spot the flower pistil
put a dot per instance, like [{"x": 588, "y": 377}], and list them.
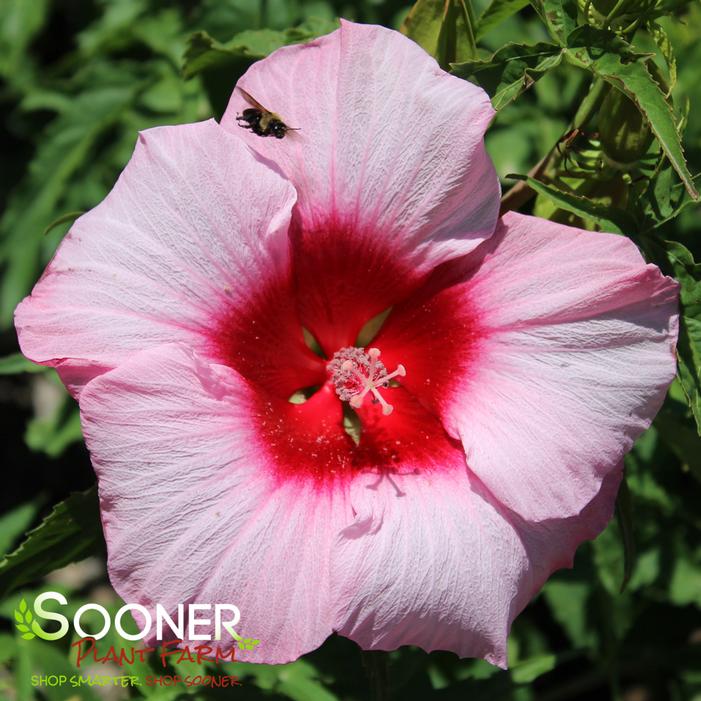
[{"x": 356, "y": 372}]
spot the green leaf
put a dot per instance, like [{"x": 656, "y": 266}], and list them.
[
  {"x": 511, "y": 70},
  {"x": 19, "y": 22},
  {"x": 685, "y": 584},
  {"x": 113, "y": 26},
  {"x": 495, "y": 13},
  {"x": 15, "y": 522},
  {"x": 586, "y": 44},
  {"x": 304, "y": 686},
  {"x": 568, "y": 598},
  {"x": 688, "y": 273},
  {"x": 665, "y": 201},
  {"x": 23, "y": 672},
  {"x": 54, "y": 433},
  {"x": 17, "y": 363},
  {"x": 221, "y": 64},
  {"x": 456, "y": 41},
  {"x": 609, "y": 558},
  {"x": 529, "y": 670},
  {"x": 560, "y": 17},
  {"x": 610, "y": 58},
  {"x": 681, "y": 440},
  {"x": 23, "y": 606},
  {"x": 298, "y": 680},
  {"x": 624, "y": 515},
  {"x": 667, "y": 50},
  {"x": 71, "y": 532},
  {"x": 68, "y": 217},
  {"x": 647, "y": 569},
  {"x": 204, "y": 53},
  {"x": 443, "y": 28},
  {"x": 65, "y": 146},
  {"x": 8, "y": 647},
  {"x": 608, "y": 218},
  {"x": 423, "y": 24},
  {"x": 50, "y": 659}
]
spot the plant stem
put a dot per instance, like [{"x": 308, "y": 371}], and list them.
[
  {"x": 590, "y": 104},
  {"x": 614, "y": 11},
  {"x": 376, "y": 664},
  {"x": 520, "y": 193}
]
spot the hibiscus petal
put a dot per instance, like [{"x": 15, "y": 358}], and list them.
[
  {"x": 548, "y": 361},
  {"x": 389, "y": 145},
  {"x": 431, "y": 562},
  {"x": 192, "y": 511},
  {"x": 181, "y": 243},
  {"x": 551, "y": 544},
  {"x": 427, "y": 563}
]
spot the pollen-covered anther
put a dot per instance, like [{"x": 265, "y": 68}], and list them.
[{"x": 356, "y": 372}]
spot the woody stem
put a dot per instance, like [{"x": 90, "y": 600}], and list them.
[{"x": 376, "y": 664}]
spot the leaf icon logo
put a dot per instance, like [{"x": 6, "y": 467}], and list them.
[
  {"x": 23, "y": 619},
  {"x": 248, "y": 643}
]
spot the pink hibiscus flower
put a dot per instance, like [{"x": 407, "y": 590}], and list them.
[{"x": 492, "y": 410}]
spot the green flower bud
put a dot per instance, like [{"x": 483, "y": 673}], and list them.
[{"x": 623, "y": 131}]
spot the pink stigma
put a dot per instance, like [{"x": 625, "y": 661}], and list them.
[{"x": 356, "y": 372}]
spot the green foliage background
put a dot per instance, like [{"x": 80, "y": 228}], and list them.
[{"x": 78, "y": 78}]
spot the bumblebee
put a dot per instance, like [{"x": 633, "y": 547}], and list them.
[{"x": 260, "y": 120}]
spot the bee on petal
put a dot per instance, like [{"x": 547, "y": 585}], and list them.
[{"x": 260, "y": 120}]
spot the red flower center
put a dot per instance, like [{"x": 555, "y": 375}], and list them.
[{"x": 327, "y": 414}]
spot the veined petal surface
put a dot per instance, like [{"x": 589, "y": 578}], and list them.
[
  {"x": 388, "y": 145},
  {"x": 181, "y": 241},
  {"x": 547, "y": 353},
  {"x": 191, "y": 510}
]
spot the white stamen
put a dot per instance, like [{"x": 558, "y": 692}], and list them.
[{"x": 355, "y": 373}]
